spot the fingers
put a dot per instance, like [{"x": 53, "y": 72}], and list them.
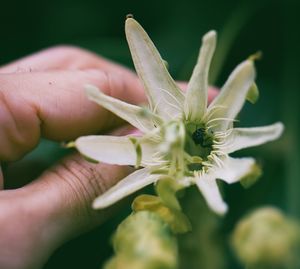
[
  {"x": 54, "y": 104},
  {"x": 61, "y": 58},
  {"x": 65, "y": 193},
  {"x": 43, "y": 94},
  {"x": 41, "y": 216}
]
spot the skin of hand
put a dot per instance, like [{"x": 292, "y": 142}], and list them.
[{"x": 42, "y": 95}]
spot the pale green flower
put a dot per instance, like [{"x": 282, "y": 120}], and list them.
[{"x": 183, "y": 138}]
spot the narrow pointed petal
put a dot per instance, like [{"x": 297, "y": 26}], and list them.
[
  {"x": 113, "y": 149},
  {"x": 241, "y": 138},
  {"x": 163, "y": 94},
  {"x": 125, "y": 187},
  {"x": 135, "y": 115},
  {"x": 208, "y": 187},
  {"x": 229, "y": 102},
  {"x": 231, "y": 171},
  {"x": 195, "y": 103},
  {"x": 234, "y": 169}
]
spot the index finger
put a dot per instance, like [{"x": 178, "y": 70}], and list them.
[{"x": 37, "y": 101}]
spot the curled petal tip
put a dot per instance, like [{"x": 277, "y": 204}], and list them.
[
  {"x": 91, "y": 90},
  {"x": 96, "y": 204},
  {"x": 279, "y": 128},
  {"x": 130, "y": 22},
  {"x": 249, "y": 63},
  {"x": 248, "y": 67},
  {"x": 129, "y": 16},
  {"x": 222, "y": 212},
  {"x": 256, "y": 56},
  {"x": 210, "y": 35}
]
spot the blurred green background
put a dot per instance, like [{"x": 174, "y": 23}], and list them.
[{"x": 176, "y": 28}]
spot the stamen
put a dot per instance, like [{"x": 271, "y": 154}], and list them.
[
  {"x": 170, "y": 104},
  {"x": 221, "y": 119},
  {"x": 170, "y": 94},
  {"x": 212, "y": 126},
  {"x": 154, "y": 109},
  {"x": 213, "y": 110},
  {"x": 141, "y": 125},
  {"x": 219, "y": 152}
]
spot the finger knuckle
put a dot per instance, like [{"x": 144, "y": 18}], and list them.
[{"x": 19, "y": 128}]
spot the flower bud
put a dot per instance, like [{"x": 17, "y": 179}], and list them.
[
  {"x": 144, "y": 240},
  {"x": 267, "y": 239}
]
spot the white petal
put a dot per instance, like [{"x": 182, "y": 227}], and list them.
[
  {"x": 196, "y": 97},
  {"x": 234, "y": 169},
  {"x": 208, "y": 187},
  {"x": 229, "y": 102},
  {"x": 125, "y": 187},
  {"x": 241, "y": 138},
  {"x": 164, "y": 95},
  {"x": 231, "y": 171},
  {"x": 113, "y": 149},
  {"x": 135, "y": 115}
]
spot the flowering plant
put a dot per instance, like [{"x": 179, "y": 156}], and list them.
[{"x": 184, "y": 140}]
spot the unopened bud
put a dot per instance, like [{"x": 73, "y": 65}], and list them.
[
  {"x": 267, "y": 239},
  {"x": 144, "y": 240}
]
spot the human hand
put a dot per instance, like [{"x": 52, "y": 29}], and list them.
[{"x": 42, "y": 96}]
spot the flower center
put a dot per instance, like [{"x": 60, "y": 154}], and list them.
[
  {"x": 188, "y": 147},
  {"x": 199, "y": 143}
]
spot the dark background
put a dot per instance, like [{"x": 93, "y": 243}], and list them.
[{"x": 176, "y": 28}]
